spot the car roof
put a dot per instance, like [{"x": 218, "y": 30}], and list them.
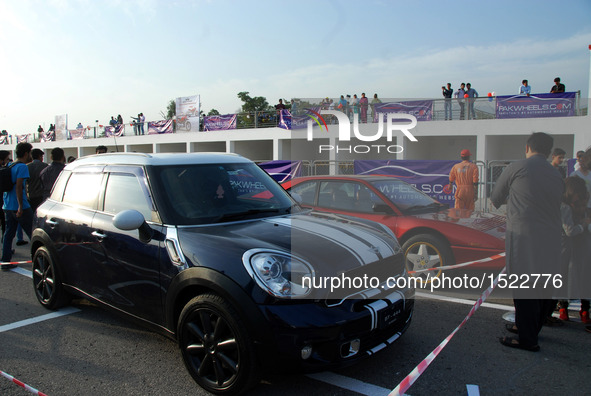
[{"x": 160, "y": 159}]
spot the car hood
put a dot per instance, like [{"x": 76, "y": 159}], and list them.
[
  {"x": 332, "y": 245},
  {"x": 488, "y": 223}
]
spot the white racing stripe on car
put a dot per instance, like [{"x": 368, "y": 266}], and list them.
[
  {"x": 358, "y": 244},
  {"x": 373, "y": 308}
]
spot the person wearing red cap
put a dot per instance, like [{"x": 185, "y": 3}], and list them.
[{"x": 465, "y": 175}]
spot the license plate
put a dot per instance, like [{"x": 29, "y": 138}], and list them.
[{"x": 390, "y": 314}]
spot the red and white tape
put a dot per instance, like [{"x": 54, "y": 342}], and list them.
[
  {"x": 447, "y": 267},
  {"x": 422, "y": 366},
  {"x": 22, "y": 384},
  {"x": 14, "y": 262}
]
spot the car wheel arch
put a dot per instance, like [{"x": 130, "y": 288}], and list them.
[
  {"x": 425, "y": 231},
  {"x": 200, "y": 280}
]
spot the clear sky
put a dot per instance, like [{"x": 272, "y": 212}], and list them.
[{"x": 93, "y": 59}]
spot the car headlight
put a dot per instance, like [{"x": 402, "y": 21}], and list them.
[{"x": 279, "y": 273}]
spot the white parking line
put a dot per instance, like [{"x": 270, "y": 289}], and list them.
[
  {"x": 26, "y": 322},
  {"x": 466, "y": 302},
  {"x": 24, "y": 272},
  {"x": 350, "y": 384},
  {"x": 473, "y": 390}
]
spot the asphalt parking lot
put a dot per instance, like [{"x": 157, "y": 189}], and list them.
[{"x": 90, "y": 351}]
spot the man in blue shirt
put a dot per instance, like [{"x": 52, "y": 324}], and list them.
[
  {"x": 16, "y": 207},
  {"x": 472, "y": 94},
  {"x": 525, "y": 88}
]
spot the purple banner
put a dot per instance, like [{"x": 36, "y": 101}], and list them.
[
  {"x": 421, "y": 109},
  {"x": 429, "y": 177},
  {"x": 48, "y": 136},
  {"x": 290, "y": 121},
  {"x": 158, "y": 127},
  {"x": 219, "y": 122},
  {"x": 282, "y": 171},
  {"x": 117, "y": 130},
  {"x": 538, "y": 105},
  {"x": 77, "y": 133}
]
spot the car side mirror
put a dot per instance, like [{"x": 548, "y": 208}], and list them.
[
  {"x": 131, "y": 219},
  {"x": 382, "y": 208}
]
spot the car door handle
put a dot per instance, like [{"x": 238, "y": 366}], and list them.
[
  {"x": 51, "y": 223},
  {"x": 98, "y": 235}
]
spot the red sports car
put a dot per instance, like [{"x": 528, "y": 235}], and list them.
[{"x": 431, "y": 234}]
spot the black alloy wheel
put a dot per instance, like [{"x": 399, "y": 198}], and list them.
[
  {"x": 216, "y": 349},
  {"x": 48, "y": 287}
]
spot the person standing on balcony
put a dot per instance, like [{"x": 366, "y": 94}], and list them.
[
  {"x": 472, "y": 95},
  {"x": 557, "y": 87},
  {"x": 364, "y": 103},
  {"x": 447, "y": 92},
  {"x": 355, "y": 105},
  {"x": 525, "y": 88},
  {"x": 374, "y": 101},
  {"x": 460, "y": 98},
  {"x": 142, "y": 121},
  {"x": 465, "y": 175}
]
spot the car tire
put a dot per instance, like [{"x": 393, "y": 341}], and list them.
[
  {"x": 427, "y": 251},
  {"x": 46, "y": 280},
  {"x": 188, "y": 126},
  {"x": 216, "y": 348}
]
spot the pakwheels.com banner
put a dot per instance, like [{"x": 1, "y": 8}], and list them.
[
  {"x": 219, "y": 122},
  {"x": 421, "y": 109},
  {"x": 429, "y": 177},
  {"x": 538, "y": 105}
]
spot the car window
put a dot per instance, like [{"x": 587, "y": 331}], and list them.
[
  {"x": 58, "y": 188},
  {"x": 206, "y": 193},
  {"x": 306, "y": 190},
  {"x": 83, "y": 189},
  {"x": 124, "y": 192},
  {"x": 403, "y": 195},
  {"x": 350, "y": 196}
]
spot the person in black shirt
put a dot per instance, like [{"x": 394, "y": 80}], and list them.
[
  {"x": 558, "y": 87},
  {"x": 49, "y": 175},
  {"x": 447, "y": 93}
]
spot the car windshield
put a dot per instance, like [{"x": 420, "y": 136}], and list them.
[
  {"x": 214, "y": 193},
  {"x": 406, "y": 197}
]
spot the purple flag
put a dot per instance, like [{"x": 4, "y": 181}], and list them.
[
  {"x": 48, "y": 136},
  {"x": 117, "y": 130},
  {"x": 282, "y": 171},
  {"x": 538, "y": 105},
  {"x": 158, "y": 127},
  {"x": 77, "y": 133},
  {"x": 219, "y": 122}
]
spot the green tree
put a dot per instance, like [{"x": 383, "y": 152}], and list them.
[
  {"x": 213, "y": 112},
  {"x": 258, "y": 103},
  {"x": 170, "y": 110}
]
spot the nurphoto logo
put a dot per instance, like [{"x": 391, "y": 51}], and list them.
[{"x": 394, "y": 122}]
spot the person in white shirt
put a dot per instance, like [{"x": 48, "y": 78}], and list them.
[{"x": 525, "y": 88}]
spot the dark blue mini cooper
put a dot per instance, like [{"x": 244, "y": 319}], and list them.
[{"x": 214, "y": 253}]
